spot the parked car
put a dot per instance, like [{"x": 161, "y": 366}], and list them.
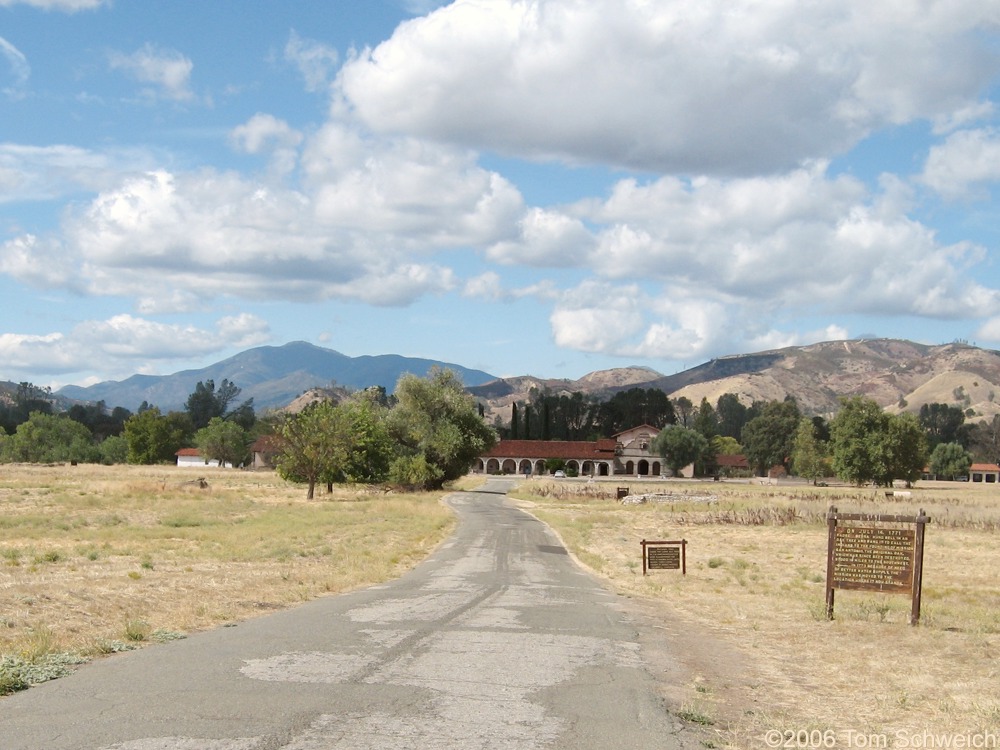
[{"x": 560, "y": 474}]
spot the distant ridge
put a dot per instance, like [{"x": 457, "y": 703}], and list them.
[
  {"x": 899, "y": 375},
  {"x": 272, "y": 375}
]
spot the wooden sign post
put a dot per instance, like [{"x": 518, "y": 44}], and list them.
[
  {"x": 868, "y": 555},
  {"x": 666, "y": 555}
]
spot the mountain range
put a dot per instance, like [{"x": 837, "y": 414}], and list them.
[
  {"x": 899, "y": 375},
  {"x": 272, "y": 375}
]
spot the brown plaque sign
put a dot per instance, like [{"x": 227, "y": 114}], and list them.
[
  {"x": 663, "y": 558},
  {"x": 869, "y": 558},
  {"x": 869, "y": 555},
  {"x": 666, "y": 555}
]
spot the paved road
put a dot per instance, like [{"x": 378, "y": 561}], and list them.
[{"x": 498, "y": 641}]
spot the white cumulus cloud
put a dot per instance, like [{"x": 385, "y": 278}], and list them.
[
  {"x": 167, "y": 70},
  {"x": 124, "y": 344},
  {"x": 721, "y": 86},
  {"x": 967, "y": 160}
]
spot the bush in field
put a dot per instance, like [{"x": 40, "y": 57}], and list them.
[
  {"x": 679, "y": 446},
  {"x": 950, "y": 460},
  {"x": 809, "y": 453},
  {"x": 438, "y": 430},
  {"x": 223, "y": 441},
  {"x": 154, "y": 438},
  {"x": 48, "y": 438},
  {"x": 114, "y": 450}
]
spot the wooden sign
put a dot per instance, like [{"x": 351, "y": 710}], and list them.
[
  {"x": 665, "y": 555},
  {"x": 865, "y": 554}
]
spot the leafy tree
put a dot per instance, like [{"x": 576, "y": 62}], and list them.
[
  {"x": 314, "y": 443},
  {"x": 28, "y": 399},
  {"x": 95, "y": 417},
  {"x": 207, "y": 402},
  {"x": 437, "y": 420},
  {"x": 984, "y": 440},
  {"x": 768, "y": 439},
  {"x": 907, "y": 449},
  {"x": 223, "y": 441},
  {"x": 732, "y": 415},
  {"x": 329, "y": 442},
  {"x": 370, "y": 448},
  {"x": 706, "y": 421},
  {"x": 808, "y": 452},
  {"x": 634, "y": 407},
  {"x": 943, "y": 424},
  {"x": 153, "y": 437},
  {"x": 723, "y": 445},
  {"x": 821, "y": 429},
  {"x": 950, "y": 460},
  {"x": 562, "y": 417},
  {"x": 50, "y": 438},
  {"x": 113, "y": 450},
  {"x": 871, "y": 446},
  {"x": 684, "y": 410},
  {"x": 679, "y": 446},
  {"x": 858, "y": 441}
]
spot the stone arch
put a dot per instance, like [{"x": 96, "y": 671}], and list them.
[
  {"x": 657, "y": 469},
  {"x": 603, "y": 470},
  {"x": 629, "y": 467},
  {"x": 573, "y": 466},
  {"x": 540, "y": 467},
  {"x": 524, "y": 467},
  {"x": 508, "y": 466},
  {"x": 642, "y": 469},
  {"x": 493, "y": 466}
]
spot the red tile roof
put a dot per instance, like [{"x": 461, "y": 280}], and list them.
[
  {"x": 188, "y": 452},
  {"x": 732, "y": 461},
  {"x": 579, "y": 449},
  {"x": 984, "y": 467}
]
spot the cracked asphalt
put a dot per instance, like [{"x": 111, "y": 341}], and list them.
[{"x": 499, "y": 640}]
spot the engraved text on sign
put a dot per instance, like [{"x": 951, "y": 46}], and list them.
[{"x": 873, "y": 559}]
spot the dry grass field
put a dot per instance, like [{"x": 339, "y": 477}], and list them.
[
  {"x": 95, "y": 560},
  {"x": 100, "y": 559},
  {"x": 755, "y": 584}
]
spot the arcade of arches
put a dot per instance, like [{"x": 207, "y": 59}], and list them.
[{"x": 628, "y": 453}]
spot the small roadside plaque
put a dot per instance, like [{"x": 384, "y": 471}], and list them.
[{"x": 664, "y": 555}]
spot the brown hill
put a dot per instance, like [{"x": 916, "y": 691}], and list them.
[{"x": 899, "y": 375}]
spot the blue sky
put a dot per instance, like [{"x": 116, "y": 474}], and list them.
[{"x": 549, "y": 187}]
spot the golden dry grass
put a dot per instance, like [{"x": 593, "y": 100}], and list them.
[
  {"x": 756, "y": 580},
  {"x": 92, "y": 557}
]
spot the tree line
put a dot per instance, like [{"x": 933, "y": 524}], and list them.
[
  {"x": 427, "y": 433},
  {"x": 860, "y": 444},
  {"x": 422, "y": 434}
]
